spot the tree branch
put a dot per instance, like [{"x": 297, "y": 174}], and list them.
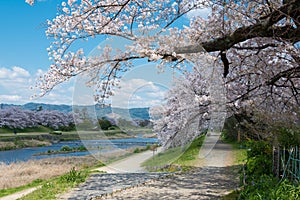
[{"x": 263, "y": 28}]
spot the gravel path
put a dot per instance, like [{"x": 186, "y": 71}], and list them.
[
  {"x": 119, "y": 175},
  {"x": 100, "y": 184},
  {"x": 213, "y": 177},
  {"x": 203, "y": 183}
]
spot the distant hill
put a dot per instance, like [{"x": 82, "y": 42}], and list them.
[
  {"x": 133, "y": 113},
  {"x": 36, "y": 106}
]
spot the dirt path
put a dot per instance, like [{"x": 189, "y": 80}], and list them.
[
  {"x": 119, "y": 175},
  {"x": 131, "y": 164},
  {"x": 213, "y": 177},
  {"x": 20, "y": 194}
]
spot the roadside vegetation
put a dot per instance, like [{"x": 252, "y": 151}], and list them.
[
  {"x": 24, "y": 173},
  {"x": 50, "y": 189},
  {"x": 175, "y": 159},
  {"x": 260, "y": 142},
  {"x": 53, "y": 176}
]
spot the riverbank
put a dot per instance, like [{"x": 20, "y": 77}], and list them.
[
  {"x": 10, "y": 141},
  {"x": 19, "y": 144},
  {"x": 62, "y": 173},
  {"x": 63, "y": 150},
  {"x": 23, "y": 173},
  {"x": 211, "y": 180}
]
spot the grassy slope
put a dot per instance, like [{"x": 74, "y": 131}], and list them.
[
  {"x": 23, "y": 175},
  {"x": 40, "y": 129},
  {"x": 52, "y": 188},
  {"x": 188, "y": 157},
  {"x": 176, "y": 156}
]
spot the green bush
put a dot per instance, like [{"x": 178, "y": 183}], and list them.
[
  {"x": 288, "y": 137},
  {"x": 269, "y": 188},
  {"x": 104, "y": 124},
  {"x": 137, "y": 150},
  {"x": 74, "y": 176},
  {"x": 66, "y": 148},
  {"x": 81, "y": 148},
  {"x": 259, "y": 160},
  {"x": 260, "y": 182}
]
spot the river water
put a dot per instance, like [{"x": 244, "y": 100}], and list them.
[{"x": 93, "y": 146}]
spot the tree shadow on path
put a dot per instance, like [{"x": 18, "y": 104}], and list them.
[{"x": 200, "y": 183}]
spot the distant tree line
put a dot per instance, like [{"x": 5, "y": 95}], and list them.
[{"x": 17, "y": 118}]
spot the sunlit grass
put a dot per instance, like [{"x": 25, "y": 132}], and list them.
[
  {"x": 23, "y": 173},
  {"x": 176, "y": 156},
  {"x": 50, "y": 189}
]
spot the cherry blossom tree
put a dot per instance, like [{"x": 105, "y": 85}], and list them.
[
  {"x": 248, "y": 37},
  {"x": 257, "y": 43},
  {"x": 54, "y": 119},
  {"x": 185, "y": 114},
  {"x": 17, "y": 118}
]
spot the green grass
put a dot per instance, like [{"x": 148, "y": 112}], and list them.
[
  {"x": 176, "y": 156},
  {"x": 53, "y": 187},
  {"x": 239, "y": 150},
  {"x": 191, "y": 153},
  {"x": 240, "y": 153},
  {"x": 40, "y": 129},
  {"x": 5, "y": 192},
  {"x": 164, "y": 158},
  {"x": 234, "y": 195}
]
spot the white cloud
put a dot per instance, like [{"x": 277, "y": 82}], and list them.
[
  {"x": 138, "y": 93},
  {"x": 10, "y": 98},
  {"x": 14, "y": 72},
  {"x": 15, "y": 83}
]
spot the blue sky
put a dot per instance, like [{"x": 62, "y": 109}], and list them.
[
  {"x": 23, "y": 56},
  {"x": 23, "y": 48}
]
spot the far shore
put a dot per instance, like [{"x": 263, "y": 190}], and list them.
[{"x": 10, "y": 141}]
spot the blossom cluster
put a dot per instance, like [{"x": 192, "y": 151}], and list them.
[{"x": 16, "y": 118}]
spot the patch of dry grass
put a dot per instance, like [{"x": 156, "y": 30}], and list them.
[
  {"x": 36, "y": 143},
  {"x": 22, "y": 173},
  {"x": 6, "y": 145}
]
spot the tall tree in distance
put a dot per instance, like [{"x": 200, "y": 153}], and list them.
[{"x": 185, "y": 114}]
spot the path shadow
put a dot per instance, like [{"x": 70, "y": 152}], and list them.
[{"x": 200, "y": 183}]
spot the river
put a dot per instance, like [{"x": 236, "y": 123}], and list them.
[{"x": 94, "y": 146}]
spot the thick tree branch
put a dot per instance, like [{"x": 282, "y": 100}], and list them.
[
  {"x": 284, "y": 74},
  {"x": 264, "y": 28},
  {"x": 225, "y": 63}
]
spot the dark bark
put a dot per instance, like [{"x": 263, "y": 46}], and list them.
[{"x": 263, "y": 28}]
